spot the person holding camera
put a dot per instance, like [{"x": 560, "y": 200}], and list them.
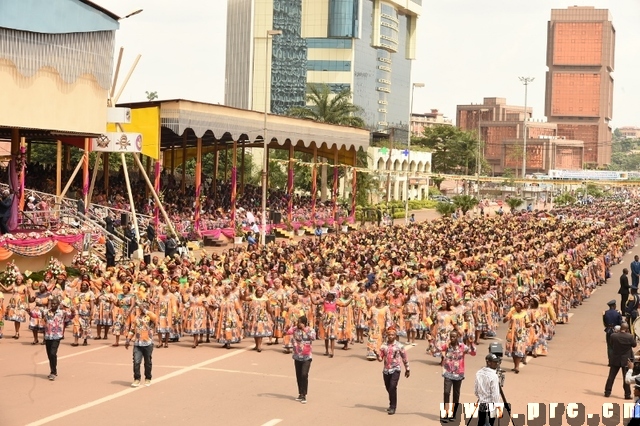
[
  {"x": 622, "y": 344},
  {"x": 487, "y": 389},
  {"x": 141, "y": 324},
  {"x": 392, "y": 353}
]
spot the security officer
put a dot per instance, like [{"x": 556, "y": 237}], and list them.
[{"x": 610, "y": 318}]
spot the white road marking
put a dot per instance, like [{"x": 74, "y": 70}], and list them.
[
  {"x": 76, "y": 354},
  {"x": 124, "y": 392},
  {"x": 272, "y": 422}
]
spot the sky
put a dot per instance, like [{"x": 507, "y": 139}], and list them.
[{"x": 467, "y": 50}]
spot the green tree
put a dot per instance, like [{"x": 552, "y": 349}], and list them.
[
  {"x": 464, "y": 202},
  {"x": 453, "y": 149},
  {"x": 151, "y": 95},
  {"x": 366, "y": 183},
  {"x": 437, "y": 181},
  {"x": 514, "y": 203},
  {"x": 326, "y": 107},
  {"x": 445, "y": 209},
  {"x": 564, "y": 199}
]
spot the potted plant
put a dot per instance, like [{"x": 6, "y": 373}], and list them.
[
  {"x": 288, "y": 225},
  {"x": 239, "y": 233}
]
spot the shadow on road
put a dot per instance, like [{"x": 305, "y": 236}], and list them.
[
  {"x": 121, "y": 383},
  {"x": 277, "y": 395},
  {"x": 399, "y": 412}
]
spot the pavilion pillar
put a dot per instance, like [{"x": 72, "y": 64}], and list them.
[
  {"x": 183, "y": 183},
  {"x": 148, "y": 169},
  {"x": 234, "y": 181},
  {"x": 214, "y": 182},
  {"x": 354, "y": 186},
  {"x": 323, "y": 180},
  {"x": 173, "y": 159},
  {"x": 22, "y": 173},
  {"x": 314, "y": 187},
  {"x": 290, "y": 184},
  {"x": 85, "y": 174},
  {"x": 105, "y": 171},
  {"x": 242, "y": 169},
  {"x": 58, "y": 168},
  {"x": 198, "y": 184},
  {"x": 15, "y": 141},
  {"x": 335, "y": 184}
]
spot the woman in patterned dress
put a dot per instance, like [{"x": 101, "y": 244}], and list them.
[
  {"x": 41, "y": 300},
  {"x": 83, "y": 303},
  {"x": 259, "y": 323},
  {"x": 209, "y": 304},
  {"x": 165, "y": 310},
  {"x": 196, "y": 316},
  {"x": 344, "y": 319},
  {"x": 278, "y": 297},
  {"x": 411, "y": 313},
  {"x": 122, "y": 308},
  {"x": 229, "y": 321},
  {"x": 379, "y": 320},
  {"x": 445, "y": 322},
  {"x": 517, "y": 334},
  {"x": 103, "y": 313},
  {"x": 292, "y": 312},
  {"x": 16, "y": 308},
  {"x": 360, "y": 311}
]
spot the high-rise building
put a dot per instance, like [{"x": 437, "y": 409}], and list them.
[
  {"x": 365, "y": 46},
  {"x": 579, "y": 86}
]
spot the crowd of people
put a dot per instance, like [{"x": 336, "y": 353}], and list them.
[{"x": 427, "y": 279}]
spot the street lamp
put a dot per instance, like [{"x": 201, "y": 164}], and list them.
[
  {"x": 130, "y": 14},
  {"x": 525, "y": 81},
  {"x": 265, "y": 141},
  {"x": 406, "y": 197},
  {"x": 478, "y": 166}
]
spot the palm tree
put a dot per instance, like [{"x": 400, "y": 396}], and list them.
[
  {"x": 445, "y": 209},
  {"x": 325, "y": 107},
  {"x": 465, "y": 202},
  {"x": 514, "y": 203}
]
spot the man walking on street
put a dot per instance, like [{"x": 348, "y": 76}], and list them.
[
  {"x": 303, "y": 337},
  {"x": 635, "y": 271},
  {"x": 141, "y": 324},
  {"x": 392, "y": 353},
  {"x": 54, "y": 319},
  {"x": 622, "y": 344},
  {"x": 610, "y": 318},
  {"x": 623, "y": 291}
]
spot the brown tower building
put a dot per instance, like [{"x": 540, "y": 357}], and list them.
[{"x": 579, "y": 90}]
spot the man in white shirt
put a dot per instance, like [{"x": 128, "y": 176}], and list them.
[{"x": 487, "y": 389}]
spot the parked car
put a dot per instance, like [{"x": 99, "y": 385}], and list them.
[{"x": 441, "y": 199}]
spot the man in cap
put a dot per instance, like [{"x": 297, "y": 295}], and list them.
[
  {"x": 487, "y": 389},
  {"x": 610, "y": 318},
  {"x": 623, "y": 291},
  {"x": 392, "y": 353},
  {"x": 622, "y": 345},
  {"x": 635, "y": 271}
]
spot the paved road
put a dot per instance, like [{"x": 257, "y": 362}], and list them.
[{"x": 211, "y": 385}]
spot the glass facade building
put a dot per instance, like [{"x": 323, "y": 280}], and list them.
[{"x": 365, "y": 46}]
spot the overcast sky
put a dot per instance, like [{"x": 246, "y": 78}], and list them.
[{"x": 467, "y": 50}]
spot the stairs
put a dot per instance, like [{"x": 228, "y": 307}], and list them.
[{"x": 283, "y": 233}]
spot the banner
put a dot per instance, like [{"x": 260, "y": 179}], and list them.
[
  {"x": 117, "y": 142},
  {"x": 145, "y": 121}
]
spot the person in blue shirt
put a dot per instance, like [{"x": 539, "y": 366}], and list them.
[
  {"x": 251, "y": 239},
  {"x": 635, "y": 421},
  {"x": 318, "y": 232},
  {"x": 635, "y": 271}
]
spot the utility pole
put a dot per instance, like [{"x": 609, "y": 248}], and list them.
[{"x": 525, "y": 81}]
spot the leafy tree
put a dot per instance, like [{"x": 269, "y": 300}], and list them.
[
  {"x": 453, "y": 149},
  {"x": 464, "y": 202},
  {"x": 366, "y": 183},
  {"x": 514, "y": 203},
  {"x": 564, "y": 199},
  {"x": 445, "y": 209},
  {"x": 437, "y": 181},
  {"x": 151, "y": 95},
  {"x": 326, "y": 107}
]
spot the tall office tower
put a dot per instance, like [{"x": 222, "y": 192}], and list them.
[
  {"x": 365, "y": 46},
  {"x": 579, "y": 87}
]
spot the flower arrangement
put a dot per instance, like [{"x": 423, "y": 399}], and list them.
[
  {"x": 11, "y": 274},
  {"x": 55, "y": 267},
  {"x": 92, "y": 261},
  {"x": 239, "y": 231}
]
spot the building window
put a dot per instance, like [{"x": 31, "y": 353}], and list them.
[
  {"x": 329, "y": 43},
  {"x": 329, "y": 65}
]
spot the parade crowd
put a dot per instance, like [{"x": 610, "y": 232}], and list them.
[{"x": 426, "y": 281}]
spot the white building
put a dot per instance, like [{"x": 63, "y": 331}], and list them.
[{"x": 392, "y": 168}]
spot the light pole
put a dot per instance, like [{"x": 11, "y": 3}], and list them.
[
  {"x": 525, "y": 81},
  {"x": 406, "y": 197},
  {"x": 478, "y": 166},
  {"x": 267, "y": 66}
]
